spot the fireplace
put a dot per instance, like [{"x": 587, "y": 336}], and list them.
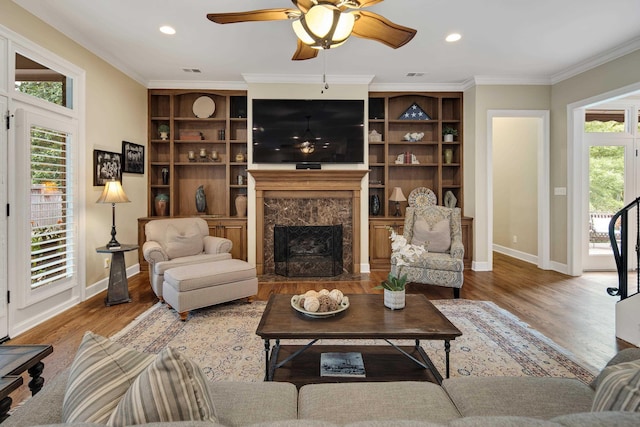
[
  {"x": 310, "y": 198},
  {"x": 308, "y": 251}
]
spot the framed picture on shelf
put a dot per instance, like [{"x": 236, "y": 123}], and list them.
[
  {"x": 132, "y": 157},
  {"x": 106, "y": 166}
]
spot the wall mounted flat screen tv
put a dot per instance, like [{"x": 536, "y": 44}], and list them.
[{"x": 308, "y": 131}]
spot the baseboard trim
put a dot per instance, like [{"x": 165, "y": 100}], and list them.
[{"x": 102, "y": 285}]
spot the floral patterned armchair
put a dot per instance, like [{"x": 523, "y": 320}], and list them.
[{"x": 438, "y": 228}]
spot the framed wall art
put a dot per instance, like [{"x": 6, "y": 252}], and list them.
[
  {"x": 106, "y": 166},
  {"x": 132, "y": 157}
]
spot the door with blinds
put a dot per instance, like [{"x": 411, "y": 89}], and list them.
[{"x": 43, "y": 215}]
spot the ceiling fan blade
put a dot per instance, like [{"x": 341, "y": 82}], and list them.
[
  {"x": 252, "y": 15},
  {"x": 304, "y": 52},
  {"x": 375, "y": 27},
  {"x": 367, "y": 3},
  {"x": 303, "y": 5}
]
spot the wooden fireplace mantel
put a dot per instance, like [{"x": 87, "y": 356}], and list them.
[{"x": 299, "y": 183}]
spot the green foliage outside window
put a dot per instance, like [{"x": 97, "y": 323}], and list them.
[
  {"x": 49, "y": 91},
  {"x": 606, "y": 178}
]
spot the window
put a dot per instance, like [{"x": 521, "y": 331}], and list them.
[
  {"x": 51, "y": 207},
  {"x": 604, "y": 121},
  {"x": 42, "y": 82}
]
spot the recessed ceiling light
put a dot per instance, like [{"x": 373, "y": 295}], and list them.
[
  {"x": 453, "y": 37},
  {"x": 166, "y": 29}
]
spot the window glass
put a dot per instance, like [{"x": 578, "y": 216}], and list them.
[
  {"x": 42, "y": 82},
  {"x": 604, "y": 121}
]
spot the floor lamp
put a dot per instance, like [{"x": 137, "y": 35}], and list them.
[
  {"x": 113, "y": 193},
  {"x": 397, "y": 196}
]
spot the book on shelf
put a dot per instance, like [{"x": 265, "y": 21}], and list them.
[{"x": 342, "y": 365}]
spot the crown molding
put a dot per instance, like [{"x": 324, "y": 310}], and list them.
[
  {"x": 308, "y": 78},
  {"x": 197, "y": 84},
  {"x": 596, "y": 61},
  {"x": 415, "y": 87}
]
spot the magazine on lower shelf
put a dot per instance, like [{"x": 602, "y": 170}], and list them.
[{"x": 342, "y": 365}]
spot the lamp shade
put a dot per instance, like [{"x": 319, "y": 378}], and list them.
[
  {"x": 113, "y": 193},
  {"x": 397, "y": 195},
  {"x": 324, "y": 26}
]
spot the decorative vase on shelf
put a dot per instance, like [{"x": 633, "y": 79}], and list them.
[
  {"x": 162, "y": 205},
  {"x": 241, "y": 205},
  {"x": 374, "y": 205},
  {"x": 448, "y": 155},
  {"x": 165, "y": 176},
  {"x": 395, "y": 300},
  {"x": 201, "y": 200}
]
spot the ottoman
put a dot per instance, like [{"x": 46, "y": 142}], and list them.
[{"x": 201, "y": 285}]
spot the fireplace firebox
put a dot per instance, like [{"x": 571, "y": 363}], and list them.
[{"x": 308, "y": 251}]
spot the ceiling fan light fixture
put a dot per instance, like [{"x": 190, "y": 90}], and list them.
[{"x": 324, "y": 26}]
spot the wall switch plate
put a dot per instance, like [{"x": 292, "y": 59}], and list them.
[{"x": 560, "y": 191}]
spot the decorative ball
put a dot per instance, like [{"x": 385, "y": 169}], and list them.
[
  {"x": 324, "y": 292},
  {"x": 311, "y": 304},
  {"x": 311, "y": 293},
  {"x": 336, "y": 295}
]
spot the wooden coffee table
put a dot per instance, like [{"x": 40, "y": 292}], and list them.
[{"x": 365, "y": 319}]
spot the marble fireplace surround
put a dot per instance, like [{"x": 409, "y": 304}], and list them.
[{"x": 326, "y": 187}]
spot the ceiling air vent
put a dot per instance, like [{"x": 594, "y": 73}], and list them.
[
  {"x": 415, "y": 74},
  {"x": 191, "y": 70}
]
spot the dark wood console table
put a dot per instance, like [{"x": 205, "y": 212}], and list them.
[{"x": 14, "y": 360}]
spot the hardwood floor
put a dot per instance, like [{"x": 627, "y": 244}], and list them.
[{"x": 575, "y": 312}]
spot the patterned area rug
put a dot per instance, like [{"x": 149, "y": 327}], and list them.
[{"x": 222, "y": 340}]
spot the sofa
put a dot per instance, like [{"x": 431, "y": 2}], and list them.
[{"x": 458, "y": 402}]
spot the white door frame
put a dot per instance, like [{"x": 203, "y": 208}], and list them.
[
  {"x": 543, "y": 258},
  {"x": 4, "y": 221},
  {"x": 576, "y": 152}
]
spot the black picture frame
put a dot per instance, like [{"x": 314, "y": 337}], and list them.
[
  {"x": 107, "y": 165},
  {"x": 132, "y": 157}
]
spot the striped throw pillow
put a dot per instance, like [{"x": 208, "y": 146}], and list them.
[
  {"x": 172, "y": 388},
  {"x": 618, "y": 388},
  {"x": 101, "y": 373}
]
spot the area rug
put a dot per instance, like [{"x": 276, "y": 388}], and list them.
[{"x": 222, "y": 340}]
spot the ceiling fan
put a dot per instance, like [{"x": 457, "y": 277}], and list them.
[{"x": 326, "y": 24}]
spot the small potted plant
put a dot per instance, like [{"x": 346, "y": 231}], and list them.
[
  {"x": 394, "y": 291},
  {"x": 449, "y": 133},
  {"x": 163, "y": 130}
]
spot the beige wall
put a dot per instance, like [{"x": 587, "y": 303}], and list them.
[
  {"x": 515, "y": 179},
  {"x": 116, "y": 110}
]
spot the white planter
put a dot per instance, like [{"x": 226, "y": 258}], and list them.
[
  {"x": 394, "y": 299},
  {"x": 448, "y": 138}
]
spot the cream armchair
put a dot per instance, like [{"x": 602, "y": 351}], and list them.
[
  {"x": 177, "y": 242},
  {"x": 440, "y": 229}
]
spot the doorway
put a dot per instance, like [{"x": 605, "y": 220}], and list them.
[{"x": 538, "y": 121}]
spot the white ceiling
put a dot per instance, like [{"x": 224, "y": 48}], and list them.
[{"x": 504, "y": 41}]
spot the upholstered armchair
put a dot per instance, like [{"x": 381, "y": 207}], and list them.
[
  {"x": 440, "y": 229},
  {"x": 176, "y": 242}
]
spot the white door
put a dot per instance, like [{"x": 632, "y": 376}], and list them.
[{"x": 4, "y": 328}]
